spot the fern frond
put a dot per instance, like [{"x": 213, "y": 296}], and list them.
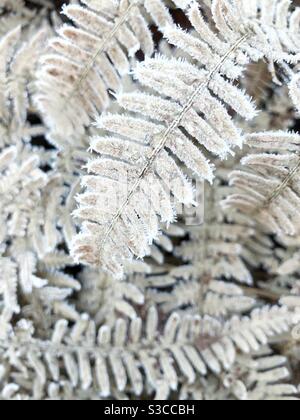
[
  {"x": 18, "y": 170},
  {"x": 18, "y": 61},
  {"x": 262, "y": 376},
  {"x": 137, "y": 162},
  {"x": 186, "y": 348},
  {"x": 184, "y": 289},
  {"x": 270, "y": 379},
  {"x": 91, "y": 56},
  {"x": 189, "y": 92},
  {"x": 215, "y": 253},
  {"x": 253, "y": 377},
  {"x": 216, "y": 249},
  {"x": 173, "y": 304},
  {"x": 267, "y": 189},
  {"x": 105, "y": 299},
  {"x": 29, "y": 199}
]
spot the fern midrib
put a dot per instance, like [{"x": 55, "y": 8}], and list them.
[
  {"x": 165, "y": 136},
  {"x": 100, "y": 50},
  {"x": 104, "y": 351},
  {"x": 276, "y": 193}
]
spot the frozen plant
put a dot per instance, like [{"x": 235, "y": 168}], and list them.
[{"x": 116, "y": 115}]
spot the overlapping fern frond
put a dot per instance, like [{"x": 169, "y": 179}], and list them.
[
  {"x": 137, "y": 165},
  {"x": 186, "y": 289},
  {"x": 191, "y": 291},
  {"x": 268, "y": 188},
  {"x": 91, "y": 55},
  {"x": 18, "y": 64},
  {"x": 188, "y": 104},
  {"x": 186, "y": 349}
]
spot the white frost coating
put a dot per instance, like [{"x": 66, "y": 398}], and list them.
[{"x": 182, "y": 92}]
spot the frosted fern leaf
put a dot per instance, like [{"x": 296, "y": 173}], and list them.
[
  {"x": 273, "y": 25},
  {"x": 186, "y": 91},
  {"x": 184, "y": 289},
  {"x": 89, "y": 58},
  {"x": 106, "y": 299},
  {"x": 18, "y": 61},
  {"x": 188, "y": 347},
  {"x": 268, "y": 188},
  {"x": 140, "y": 154},
  {"x": 261, "y": 376},
  {"x": 216, "y": 248}
]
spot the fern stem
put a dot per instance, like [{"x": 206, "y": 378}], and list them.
[
  {"x": 281, "y": 187},
  {"x": 169, "y": 130},
  {"x": 92, "y": 350}
]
